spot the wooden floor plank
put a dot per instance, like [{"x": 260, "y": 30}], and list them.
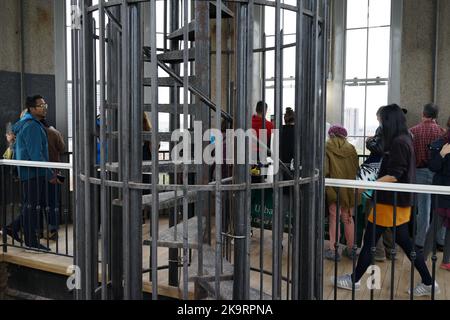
[{"x": 59, "y": 265}]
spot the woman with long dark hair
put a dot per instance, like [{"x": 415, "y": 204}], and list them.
[{"x": 398, "y": 166}]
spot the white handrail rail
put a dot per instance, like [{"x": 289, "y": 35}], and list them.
[
  {"x": 37, "y": 164},
  {"x": 385, "y": 186}
]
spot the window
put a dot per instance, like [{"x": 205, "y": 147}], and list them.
[
  {"x": 288, "y": 52},
  {"x": 367, "y": 67}
]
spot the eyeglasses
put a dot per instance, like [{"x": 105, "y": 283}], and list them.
[{"x": 43, "y": 106}]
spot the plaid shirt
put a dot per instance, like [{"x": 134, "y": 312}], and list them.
[{"x": 424, "y": 134}]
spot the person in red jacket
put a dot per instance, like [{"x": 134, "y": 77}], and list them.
[{"x": 257, "y": 123}]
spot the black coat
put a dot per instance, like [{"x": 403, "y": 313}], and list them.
[
  {"x": 441, "y": 167},
  {"x": 399, "y": 162}
]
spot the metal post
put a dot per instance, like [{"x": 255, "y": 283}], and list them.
[
  {"x": 155, "y": 142},
  {"x": 136, "y": 96},
  {"x": 277, "y": 220},
  {"x": 240, "y": 280},
  {"x": 218, "y": 150}
]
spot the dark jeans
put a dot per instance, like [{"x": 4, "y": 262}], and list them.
[
  {"x": 33, "y": 201},
  {"x": 402, "y": 239},
  {"x": 54, "y": 192}
]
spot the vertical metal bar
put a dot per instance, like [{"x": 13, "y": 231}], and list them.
[
  {"x": 185, "y": 168},
  {"x": 136, "y": 116},
  {"x": 125, "y": 147},
  {"x": 248, "y": 125},
  {"x": 276, "y": 241},
  {"x": 203, "y": 82},
  {"x": 297, "y": 148},
  {"x": 336, "y": 240},
  {"x": 320, "y": 217},
  {"x": 262, "y": 192},
  {"x": 240, "y": 173},
  {"x": 78, "y": 232},
  {"x": 393, "y": 250},
  {"x": 434, "y": 257},
  {"x": 174, "y": 125},
  {"x": 155, "y": 159},
  {"x": 413, "y": 254},
  {"x": 218, "y": 257},
  {"x": 374, "y": 244},
  {"x": 3, "y": 203},
  {"x": 355, "y": 246},
  {"x": 104, "y": 243}
]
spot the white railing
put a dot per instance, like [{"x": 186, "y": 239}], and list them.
[
  {"x": 37, "y": 164},
  {"x": 340, "y": 183},
  {"x": 385, "y": 186}
]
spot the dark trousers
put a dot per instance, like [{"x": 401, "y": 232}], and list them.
[
  {"x": 53, "y": 192},
  {"x": 402, "y": 239},
  {"x": 33, "y": 201}
]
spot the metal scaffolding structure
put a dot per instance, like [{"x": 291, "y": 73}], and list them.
[{"x": 208, "y": 211}]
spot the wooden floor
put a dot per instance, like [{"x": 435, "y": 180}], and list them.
[{"x": 59, "y": 265}]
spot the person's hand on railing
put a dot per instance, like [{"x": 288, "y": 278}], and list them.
[{"x": 445, "y": 150}]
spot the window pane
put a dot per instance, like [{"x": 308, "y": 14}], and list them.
[
  {"x": 377, "y": 96},
  {"x": 289, "y": 22},
  {"x": 164, "y": 122},
  {"x": 379, "y": 47},
  {"x": 288, "y": 62},
  {"x": 356, "y": 54},
  {"x": 379, "y": 13},
  {"x": 269, "y": 22},
  {"x": 357, "y": 13},
  {"x": 358, "y": 143},
  {"x": 270, "y": 64},
  {"x": 354, "y": 110},
  {"x": 69, "y": 53}
]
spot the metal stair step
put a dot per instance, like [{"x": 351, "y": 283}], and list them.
[
  {"x": 209, "y": 266},
  {"x": 168, "y": 82},
  {"x": 163, "y": 166},
  {"x": 176, "y": 56},
  {"x": 166, "y": 199},
  {"x": 166, "y": 237},
  {"x": 226, "y": 290},
  {"x": 163, "y": 136},
  {"x": 226, "y": 12},
  {"x": 168, "y": 108},
  {"x": 179, "y": 34}
]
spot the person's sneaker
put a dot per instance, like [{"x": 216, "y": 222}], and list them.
[
  {"x": 330, "y": 255},
  {"x": 13, "y": 234},
  {"x": 345, "y": 282},
  {"x": 445, "y": 266},
  {"x": 422, "y": 290},
  {"x": 348, "y": 253}
]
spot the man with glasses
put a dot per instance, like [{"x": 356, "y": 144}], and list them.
[{"x": 32, "y": 145}]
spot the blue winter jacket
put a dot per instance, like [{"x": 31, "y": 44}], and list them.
[{"x": 31, "y": 145}]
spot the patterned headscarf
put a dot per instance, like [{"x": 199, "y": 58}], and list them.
[{"x": 337, "y": 131}]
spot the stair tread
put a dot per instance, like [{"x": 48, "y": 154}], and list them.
[
  {"x": 166, "y": 199},
  {"x": 166, "y": 237},
  {"x": 179, "y": 34},
  {"x": 168, "y": 81},
  {"x": 163, "y": 166},
  {"x": 175, "y": 56},
  {"x": 226, "y": 12}
]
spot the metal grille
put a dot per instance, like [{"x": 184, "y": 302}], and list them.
[{"x": 203, "y": 217}]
